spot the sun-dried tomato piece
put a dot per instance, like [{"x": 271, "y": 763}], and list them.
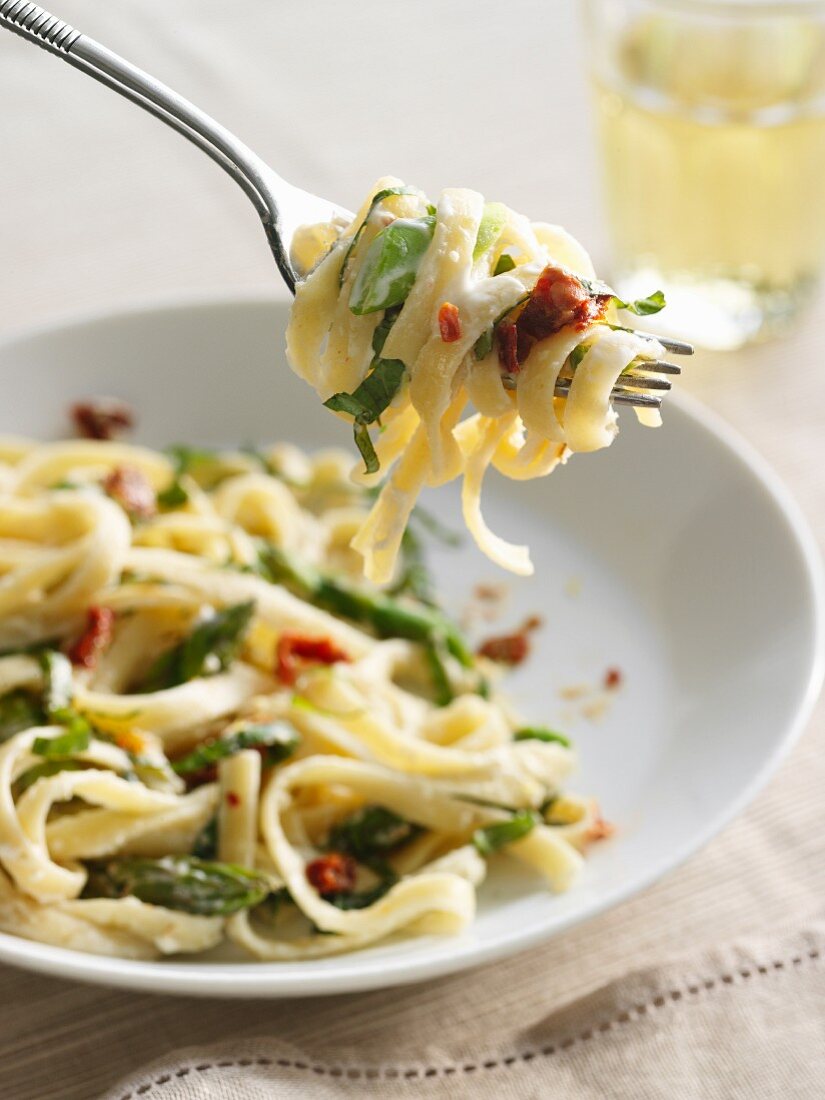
[
  {"x": 334, "y": 873},
  {"x": 100, "y": 622},
  {"x": 507, "y": 342},
  {"x": 613, "y": 679},
  {"x": 510, "y": 649},
  {"x": 102, "y": 417},
  {"x": 449, "y": 323},
  {"x": 131, "y": 489},
  {"x": 558, "y": 300},
  {"x": 293, "y": 649}
]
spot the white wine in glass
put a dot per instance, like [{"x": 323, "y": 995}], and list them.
[{"x": 711, "y": 119}]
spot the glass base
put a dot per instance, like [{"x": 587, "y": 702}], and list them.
[{"x": 719, "y": 314}]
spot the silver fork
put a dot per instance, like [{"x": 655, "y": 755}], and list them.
[{"x": 281, "y": 207}]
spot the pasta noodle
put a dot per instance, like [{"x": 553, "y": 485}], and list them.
[
  {"x": 414, "y": 311},
  {"x": 212, "y": 729}
]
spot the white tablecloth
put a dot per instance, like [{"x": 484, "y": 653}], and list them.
[{"x": 708, "y": 985}]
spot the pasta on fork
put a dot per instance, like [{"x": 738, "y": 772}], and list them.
[{"x": 414, "y": 312}]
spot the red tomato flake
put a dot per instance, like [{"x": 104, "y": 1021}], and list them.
[
  {"x": 613, "y": 679},
  {"x": 511, "y": 649},
  {"x": 100, "y": 622},
  {"x": 600, "y": 829},
  {"x": 449, "y": 323},
  {"x": 332, "y": 874},
  {"x": 102, "y": 417},
  {"x": 132, "y": 491},
  {"x": 293, "y": 649},
  {"x": 557, "y": 301},
  {"x": 233, "y": 799}
]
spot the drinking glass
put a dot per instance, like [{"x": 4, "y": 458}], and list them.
[{"x": 711, "y": 124}]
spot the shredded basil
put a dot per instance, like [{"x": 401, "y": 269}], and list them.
[
  {"x": 491, "y": 838},
  {"x": 371, "y": 832},
  {"x": 376, "y": 199},
  {"x": 367, "y": 402},
  {"x": 540, "y": 733},
  {"x": 493, "y": 220},
  {"x": 65, "y": 744},
  {"x": 43, "y": 771},
  {"x": 577, "y": 354},
  {"x": 19, "y": 710},
  {"x": 278, "y": 738},
  {"x": 504, "y": 264},
  {"x": 173, "y": 496}
]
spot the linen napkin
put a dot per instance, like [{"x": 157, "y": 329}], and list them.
[{"x": 743, "y": 1021}]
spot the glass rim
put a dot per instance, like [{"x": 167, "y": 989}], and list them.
[{"x": 743, "y": 8}]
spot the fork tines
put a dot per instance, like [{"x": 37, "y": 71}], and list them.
[
  {"x": 620, "y": 395},
  {"x": 678, "y": 347}
]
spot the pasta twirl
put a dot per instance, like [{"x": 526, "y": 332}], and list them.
[{"x": 414, "y": 312}]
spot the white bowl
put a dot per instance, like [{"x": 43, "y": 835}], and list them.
[{"x": 676, "y": 555}]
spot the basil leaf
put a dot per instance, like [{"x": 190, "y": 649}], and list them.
[
  {"x": 278, "y": 738},
  {"x": 215, "y": 641},
  {"x": 173, "y": 496},
  {"x": 577, "y": 354},
  {"x": 504, "y": 264},
  {"x": 484, "y": 344},
  {"x": 184, "y": 883},
  {"x": 371, "y": 398},
  {"x": 596, "y": 288},
  {"x": 539, "y": 733},
  {"x": 364, "y": 444},
  {"x": 362, "y": 899},
  {"x": 370, "y": 832},
  {"x": 376, "y": 199},
  {"x": 491, "y": 838},
  {"x": 186, "y": 458},
  {"x": 643, "y": 307},
  {"x": 388, "y": 272},
  {"x": 382, "y": 331},
  {"x": 492, "y": 222},
  {"x": 65, "y": 744},
  {"x": 366, "y": 403},
  {"x": 19, "y": 710}
]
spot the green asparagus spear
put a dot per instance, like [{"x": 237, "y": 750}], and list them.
[
  {"x": 216, "y": 640},
  {"x": 184, "y": 883},
  {"x": 278, "y": 738},
  {"x": 389, "y": 617}
]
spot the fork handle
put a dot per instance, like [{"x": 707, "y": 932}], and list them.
[{"x": 39, "y": 27}]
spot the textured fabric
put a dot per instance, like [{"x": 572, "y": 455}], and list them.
[
  {"x": 677, "y": 1031},
  {"x": 109, "y": 208}
]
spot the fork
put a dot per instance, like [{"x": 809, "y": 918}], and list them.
[{"x": 281, "y": 207}]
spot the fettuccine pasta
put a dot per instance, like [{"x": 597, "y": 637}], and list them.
[
  {"x": 211, "y": 729},
  {"x": 414, "y": 312}
]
